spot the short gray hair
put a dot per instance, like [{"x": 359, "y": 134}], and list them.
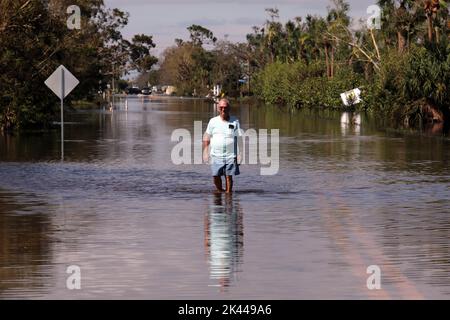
[{"x": 226, "y": 101}]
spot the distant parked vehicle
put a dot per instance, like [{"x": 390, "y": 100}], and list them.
[
  {"x": 146, "y": 91},
  {"x": 156, "y": 89},
  {"x": 133, "y": 90}
]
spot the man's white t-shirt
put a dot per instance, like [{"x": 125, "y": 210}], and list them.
[{"x": 223, "y": 137}]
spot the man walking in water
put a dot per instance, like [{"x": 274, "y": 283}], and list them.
[{"x": 221, "y": 137}]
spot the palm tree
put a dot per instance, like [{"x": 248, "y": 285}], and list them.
[
  {"x": 398, "y": 17},
  {"x": 430, "y": 7},
  {"x": 338, "y": 22},
  {"x": 272, "y": 32},
  {"x": 314, "y": 29},
  {"x": 291, "y": 42}
]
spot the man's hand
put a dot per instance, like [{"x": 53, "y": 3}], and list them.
[
  {"x": 205, "y": 157},
  {"x": 239, "y": 159},
  {"x": 206, "y": 142}
]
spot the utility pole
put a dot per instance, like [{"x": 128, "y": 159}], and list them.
[
  {"x": 113, "y": 84},
  {"x": 248, "y": 75}
]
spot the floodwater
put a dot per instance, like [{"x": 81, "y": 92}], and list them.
[{"x": 345, "y": 198}]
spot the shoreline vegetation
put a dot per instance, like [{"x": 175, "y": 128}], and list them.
[{"x": 401, "y": 62}]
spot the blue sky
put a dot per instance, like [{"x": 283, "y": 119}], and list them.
[{"x": 168, "y": 19}]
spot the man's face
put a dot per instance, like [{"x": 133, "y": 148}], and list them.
[{"x": 224, "y": 109}]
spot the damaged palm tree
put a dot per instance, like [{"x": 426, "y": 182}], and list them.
[{"x": 431, "y": 8}]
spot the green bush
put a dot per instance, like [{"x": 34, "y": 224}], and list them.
[
  {"x": 300, "y": 85},
  {"x": 406, "y": 82},
  {"x": 271, "y": 83},
  {"x": 428, "y": 75}
]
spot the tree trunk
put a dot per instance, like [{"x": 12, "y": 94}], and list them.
[
  {"x": 430, "y": 112},
  {"x": 368, "y": 71},
  {"x": 332, "y": 63},
  {"x": 248, "y": 75},
  {"x": 7, "y": 121},
  {"x": 350, "y": 61},
  {"x": 401, "y": 41},
  {"x": 327, "y": 62},
  {"x": 272, "y": 53},
  {"x": 436, "y": 30},
  {"x": 430, "y": 27}
]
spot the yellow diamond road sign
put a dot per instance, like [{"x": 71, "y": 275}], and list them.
[{"x": 62, "y": 80}]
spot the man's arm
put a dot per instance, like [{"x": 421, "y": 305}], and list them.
[
  {"x": 240, "y": 144},
  {"x": 205, "y": 144}
]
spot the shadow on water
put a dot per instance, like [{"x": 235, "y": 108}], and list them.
[
  {"x": 25, "y": 246},
  {"x": 224, "y": 239}
]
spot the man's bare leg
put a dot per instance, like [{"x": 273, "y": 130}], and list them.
[
  {"x": 229, "y": 183},
  {"x": 218, "y": 183}
]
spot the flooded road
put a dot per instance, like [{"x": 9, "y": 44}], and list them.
[{"x": 139, "y": 227}]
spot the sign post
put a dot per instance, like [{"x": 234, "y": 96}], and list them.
[
  {"x": 62, "y": 82},
  {"x": 62, "y": 114}
]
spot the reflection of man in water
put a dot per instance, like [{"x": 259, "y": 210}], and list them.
[{"x": 224, "y": 238}]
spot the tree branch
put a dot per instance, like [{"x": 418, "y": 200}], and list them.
[
  {"x": 375, "y": 43},
  {"x": 356, "y": 46}
]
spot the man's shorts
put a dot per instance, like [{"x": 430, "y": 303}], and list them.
[{"x": 222, "y": 167}]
